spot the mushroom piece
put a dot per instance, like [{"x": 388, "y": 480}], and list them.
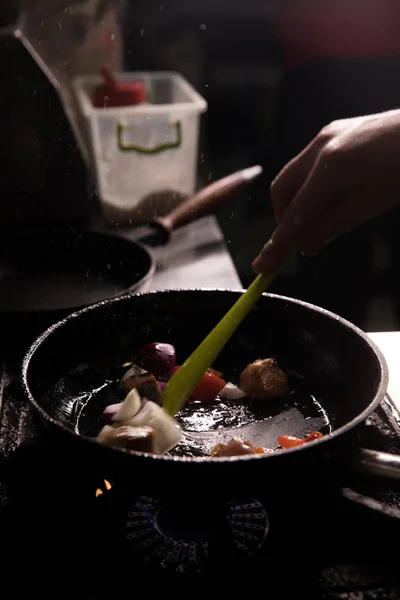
[
  {"x": 140, "y": 439},
  {"x": 235, "y": 447},
  {"x": 166, "y": 431},
  {"x": 238, "y": 447},
  {"x": 145, "y": 383},
  {"x": 264, "y": 380}
]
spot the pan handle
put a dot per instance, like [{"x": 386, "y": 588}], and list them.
[
  {"x": 376, "y": 464},
  {"x": 205, "y": 201}
]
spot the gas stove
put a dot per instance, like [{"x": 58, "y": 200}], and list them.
[
  {"x": 64, "y": 524},
  {"x": 333, "y": 543}
]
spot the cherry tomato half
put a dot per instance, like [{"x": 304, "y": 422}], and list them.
[
  {"x": 290, "y": 441},
  {"x": 208, "y": 388}
]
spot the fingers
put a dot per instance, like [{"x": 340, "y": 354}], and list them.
[
  {"x": 341, "y": 216},
  {"x": 289, "y": 181},
  {"x": 313, "y": 199},
  {"x": 344, "y": 216}
]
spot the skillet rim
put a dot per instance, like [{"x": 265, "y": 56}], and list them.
[
  {"x": 361, "y": 417},
  {"x": 79, "y": 231}
]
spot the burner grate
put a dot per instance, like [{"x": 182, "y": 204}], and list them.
[
  {"x": 97, "y": 516},
  {"x": 181, "y": 542}
]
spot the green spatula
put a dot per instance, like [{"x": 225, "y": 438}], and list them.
[{"x": 181, "y": 385}]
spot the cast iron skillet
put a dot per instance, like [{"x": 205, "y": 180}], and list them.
[
  {"x": 59, "y": 269},
  {"x": 63, "y": 269},
  {"x": 325, "y": 354}
]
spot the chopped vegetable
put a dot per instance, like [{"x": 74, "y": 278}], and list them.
[
  {"x": 110, "y": 412},
  {"x": 290, "y": 441},
  {"x": 216, "y": 373},
  {"x": 140, "y": 439},
  {"x": 158, "y": 358},
  {"x": 140, "y": 423},
  {"x": 264, "y": 380},
  {"x": 231, "y": 392},
  {"x": 237, "y": 447},
  {"x": 129, "y": 407},
  {"x": 146, "y": 384},
  {"x": 133, "y": 371},
  {"x": 167, "y": 432},
  {"x": 262, "y": 450},
  {"x": 208, "y": 388}
]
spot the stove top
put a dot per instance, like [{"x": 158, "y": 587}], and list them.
[{"x": 335, "y": 544}]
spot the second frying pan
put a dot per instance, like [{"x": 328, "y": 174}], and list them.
[{"x": 53, "y": 270}]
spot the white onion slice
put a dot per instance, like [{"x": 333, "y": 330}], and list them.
[
  {"x": 167, "y": 432},
  {"x": 231, "y": 392},
  {"x": 129, "y": 407}
]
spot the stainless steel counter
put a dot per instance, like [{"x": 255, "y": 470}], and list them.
[
  {"x": 389, "y": 344},
  {"x": 195, "y": 257}
]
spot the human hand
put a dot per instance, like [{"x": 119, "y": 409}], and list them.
[{"x": 348, "y": 174}]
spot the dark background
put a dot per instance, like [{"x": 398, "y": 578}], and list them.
[
  {"x": 260, "y": 112},
  {"x": 263, "y": 110}
]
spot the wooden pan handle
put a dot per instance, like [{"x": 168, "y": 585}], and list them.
[{"x": 207, "y": 200}]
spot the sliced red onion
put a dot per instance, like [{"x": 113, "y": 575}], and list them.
[
  {"x": 157, "y": 358},
  {"x": 110, "y": 412},
  {"x": 231, "y": 392}
]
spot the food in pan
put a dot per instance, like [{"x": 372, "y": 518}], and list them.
[
  {"x": 136, "y": 438},
  {"x": 140, "y": 423},
  {"x": 136, "y": 412},
  {"x": 290, "y": 441},
  {"x": 237, "y": 447},
  {"x": 264, "y": 380}
]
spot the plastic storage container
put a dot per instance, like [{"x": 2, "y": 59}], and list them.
[{"x": 145, "y": 155}]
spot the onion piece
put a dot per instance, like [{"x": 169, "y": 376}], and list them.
[
  {"x": 167, "y": 432},
  {"x": 129, "y": 407},
  {"x": 140, "y": 439},
  {"x": 231, "y": 392},
  {"x": 157, "y": 358},
  {"x": 134, "y": 371},
  {"x": 110, "y": 412}
]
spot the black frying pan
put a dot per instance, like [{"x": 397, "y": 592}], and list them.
[
  {"x": 51, "y": 270},
  {"x": 326, "y": 356}
]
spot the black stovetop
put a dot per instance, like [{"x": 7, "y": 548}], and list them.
[{"x": 337, "y": 544}]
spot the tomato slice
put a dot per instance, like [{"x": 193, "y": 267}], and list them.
[
  {"x": 216, "y": 373},
  {"x": 208, "y": 388},
  {"x": 290, "y": 441},
  {"x": 314, "y": 435},
  {"x": 262, "y": 450}
]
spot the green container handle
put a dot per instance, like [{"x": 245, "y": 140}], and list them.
[{"x": 142, "y": 149}]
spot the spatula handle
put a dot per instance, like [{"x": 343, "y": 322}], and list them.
[{"x": 181, "y": 385}]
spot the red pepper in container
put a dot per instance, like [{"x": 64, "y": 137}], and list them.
[{"x": 113, "y": 93}]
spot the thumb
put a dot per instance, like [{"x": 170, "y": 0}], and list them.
[
  {"x": 314, "y": 197},
  {"x": 276, "y": 250}
]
